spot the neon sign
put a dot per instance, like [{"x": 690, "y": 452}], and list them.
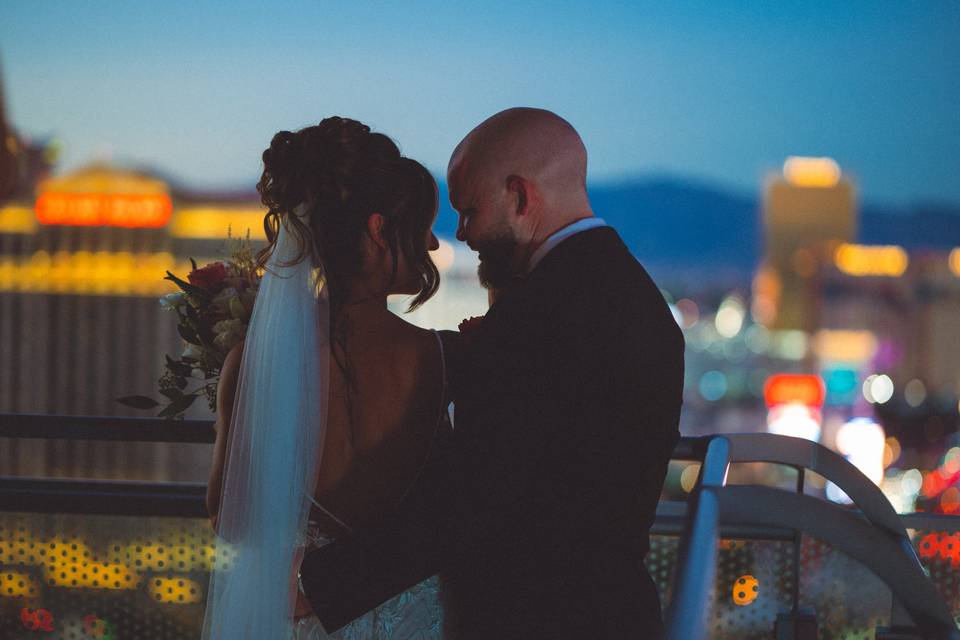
[
  {"x": 785, "y": 388},
  {"x": 132, "y": 210}
]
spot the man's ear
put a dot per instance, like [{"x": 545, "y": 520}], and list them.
[
  {"x": 375, "y": 225},
  {"x": 520, "y": 189}
]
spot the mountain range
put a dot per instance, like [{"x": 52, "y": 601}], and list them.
[{"x": 682, "y": 230}]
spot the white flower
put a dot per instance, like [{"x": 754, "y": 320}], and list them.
[{"x": 171, "y": 301}]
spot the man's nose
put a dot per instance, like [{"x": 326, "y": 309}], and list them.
[{"x": 434, "y": 243}]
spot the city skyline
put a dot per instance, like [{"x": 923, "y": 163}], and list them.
[{"x": 698, "y": 91}]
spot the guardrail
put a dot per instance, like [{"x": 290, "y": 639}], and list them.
[{"x": 155, "y": 540}]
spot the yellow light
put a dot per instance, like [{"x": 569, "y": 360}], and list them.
[
  {"x": 86, "y": 273},
  {"x": 835, "y": 345},
  {"x": 954, "y": 262},
  {"x": 878, "y": 260},
  {"x": 15, "y": 584},
  {"x": 175, "y": 590},
  {"x": 816, "y": 173},
  {"x": 746, "y": 588},
  {"x": 16, "y": 219},
  {"x": 688, "y": 477},
  {"x": 211, "y": 222}
]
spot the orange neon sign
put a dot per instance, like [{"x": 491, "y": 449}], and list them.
[
  {"x": 149, "y": 210},
  {"x": 787, "y": 388}
]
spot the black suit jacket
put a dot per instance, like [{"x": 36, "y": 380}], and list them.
[{"x": 537, "y": 512}]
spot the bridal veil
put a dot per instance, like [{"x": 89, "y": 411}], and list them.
[{"x": 273, "y": 451}]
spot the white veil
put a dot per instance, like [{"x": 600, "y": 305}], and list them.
[{"x": 273, "y": 452}]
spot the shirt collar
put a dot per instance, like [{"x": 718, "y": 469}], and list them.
[{"x": 560, "y": 235}]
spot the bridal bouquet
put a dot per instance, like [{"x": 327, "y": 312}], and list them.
[{"x": 213, "y": 309}]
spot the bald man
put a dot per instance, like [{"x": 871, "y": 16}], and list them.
[{"x": 537, "y": 512}]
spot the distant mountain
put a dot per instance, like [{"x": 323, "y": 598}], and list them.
[{"x": 683, "y": 230}]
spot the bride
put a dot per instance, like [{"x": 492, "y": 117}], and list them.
[{"x": 328, "y": 411}]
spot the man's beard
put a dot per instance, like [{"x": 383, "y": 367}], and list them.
[{"x": 497, "y": 269}]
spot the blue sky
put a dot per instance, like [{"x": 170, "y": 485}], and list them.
[{"x": 717, "y": 91}]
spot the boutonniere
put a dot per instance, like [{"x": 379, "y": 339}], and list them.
[{"x": 469, "y": 328}]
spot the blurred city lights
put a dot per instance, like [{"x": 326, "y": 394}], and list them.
[
  {"x": 757, "y": 338},
  {"x": 811, "y": 172},
  {"x": 214, "y": 222},
  {"x": 891, "y": 451},
  {"x": 791, "y": 388},
  {"x": 729, "y": 318},
  {"x": 911, "y": 482},
  {"x": 688, "y": 477},
  {"x": 915, "y": 393},
  {"x": 789, "y": 345},
  {"x": 689, "y": 312},
  {"x": 713, "y": 385},
  {"x": 746, "y": 588},
  {"x": 862, "y": 441},
  {"x": 847, "y": 346},
  {"x": 878, "y": 389},
  {"x": 954, "y": 261},
  {"x": 862, "y": 260},
  {"x": 795, "y": 420}
]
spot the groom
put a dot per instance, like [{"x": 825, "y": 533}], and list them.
[{"x": 537, "y": 512}]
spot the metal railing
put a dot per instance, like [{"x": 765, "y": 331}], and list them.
[
  {"x": 875, "y": 536},
  {"x": 698, "y": 523}
]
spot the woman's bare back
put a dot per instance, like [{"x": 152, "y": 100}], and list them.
[{"x": 379, "y": 432}]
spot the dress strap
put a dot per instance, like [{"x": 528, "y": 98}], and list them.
[
  {"x": 443, "y": 371},
  {"x": 326, "y": 511}
]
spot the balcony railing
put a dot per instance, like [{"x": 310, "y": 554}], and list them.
[{"x": 127, "y": 559}]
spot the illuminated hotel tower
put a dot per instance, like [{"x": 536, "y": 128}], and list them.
[{"x": 808, "y": 211}]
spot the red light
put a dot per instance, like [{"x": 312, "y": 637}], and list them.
[
  {"x": 36, "y": 619},
  {"x": 789, "y": 388},
  {"x": 105, "y": 209}
]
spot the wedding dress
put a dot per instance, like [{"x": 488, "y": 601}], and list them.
[
  {"x": 414, "y": 614},
  {"x": 272, "y": 459}
]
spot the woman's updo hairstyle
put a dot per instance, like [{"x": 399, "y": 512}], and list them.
[{"x": 343, "y": 173}]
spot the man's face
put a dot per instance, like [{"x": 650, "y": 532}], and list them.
[{"x": 484, "y": 225}]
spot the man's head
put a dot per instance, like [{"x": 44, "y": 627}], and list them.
[{"x": 518, "y": 177}]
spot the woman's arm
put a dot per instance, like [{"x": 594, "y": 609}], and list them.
[{"x": 226, "y": 392}]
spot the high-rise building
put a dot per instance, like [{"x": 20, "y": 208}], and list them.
[{"x": 808, "y": 211}]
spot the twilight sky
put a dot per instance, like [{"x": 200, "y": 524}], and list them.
[{"x": 715, "y": 91}]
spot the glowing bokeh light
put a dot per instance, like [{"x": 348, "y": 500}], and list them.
[
  {"x": 878, "y": 389},
  {"x": 746, "y": 588},
  {"x": 688, "y": 477},
  {"x": 879, "y": 260},
  {"x": 790, "y": 388},
  {"x": 915, "y": 393},
  {"x": 862, "y": 441},
  {"x": 713, "y": 385},
  {"x": 794, "y": 420},
  {"x": 729, "y": 318},
  {"x": 817, "y": 173},
  {"x": 689, "y": 311}
]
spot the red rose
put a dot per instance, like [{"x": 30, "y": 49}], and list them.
[{"x": 210, "y": 277}]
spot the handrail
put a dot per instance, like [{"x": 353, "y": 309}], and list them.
[
  {"x": 687, "y": 618},
  {"x": 54, "y": 427},
  {"x": 851, "y": 534},
  {"x": 103, "y": 497}
]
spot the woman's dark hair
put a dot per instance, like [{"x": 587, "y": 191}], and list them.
[{"x": 344, "y": 173}]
